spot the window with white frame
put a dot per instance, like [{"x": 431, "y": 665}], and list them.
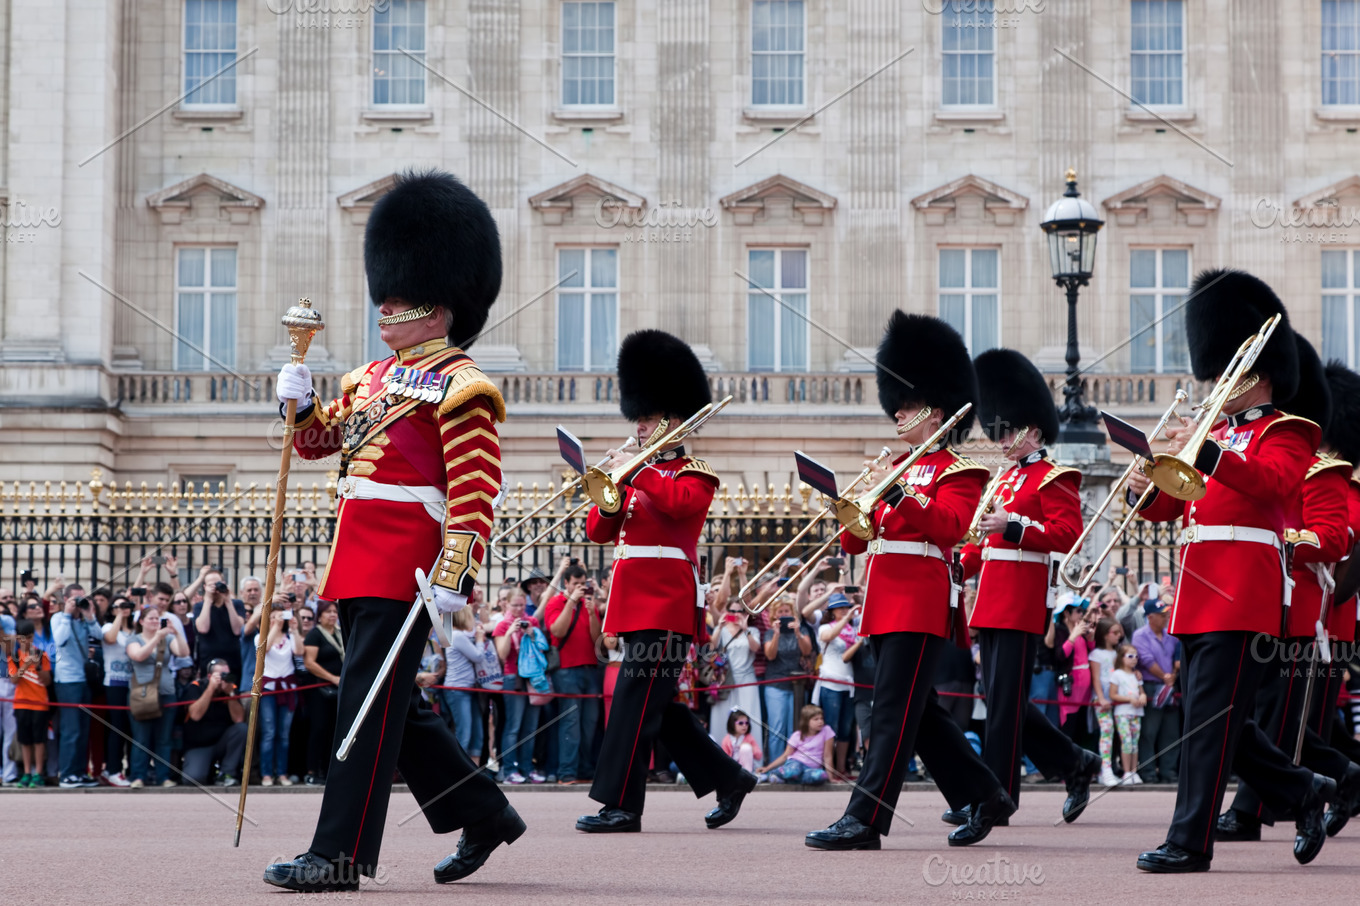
[
  {"x": 970, "y": 295},
  {"x": 374, "y": 348},
  {"x": 1157, "y": 57},
  {"x": 1158, "y": 282},
  {"x": 776, "y": 318},
  {"x": 398, "y": 80},
  {"x": 587, "y": 309},
  {"x": 1340, "y": 301},
  {"x": 205, "y": 308},
  {"x": 968, "y": 76},
  {"x": 1341, "y": 52},
  {"x": 587, "y": 54},
  {"x": 209, "y": 46},
  {"x": 778, "y": 36}
]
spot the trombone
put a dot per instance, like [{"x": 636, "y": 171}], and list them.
[
  {"x": 602, "y": 488},
  {"x": 1176, "y": 474},
  {"x": 569, "y": 490},
  {"x": 1117, "y": 490},
  {"x": 817, "y": 555},
  {"x": 856, "y": 516},
  {"x": 985, "y": 505}
]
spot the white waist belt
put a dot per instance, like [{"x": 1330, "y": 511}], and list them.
[
  {"x": 1197, "y": 533},
  {"x": 1015, "y": 555},
  {"x": 914, "y": 548},
  {"x": 353, "y": 487},
  {"x": 649, "y": 552}
]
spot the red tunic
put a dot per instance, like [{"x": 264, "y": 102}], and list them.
[
  {"x": 448, "y": 443},
  {"x": 909, "y": 592},
  {"x": 1341, "y": 619},
  {"x": 664, "y": 504},
  {"x": 1324, "y": 513},
  {"x": 1044, "y": 503},
  {"x": 1256, "y": 482}
]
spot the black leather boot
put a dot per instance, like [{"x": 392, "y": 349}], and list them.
[{"x": 476, "y": 844}]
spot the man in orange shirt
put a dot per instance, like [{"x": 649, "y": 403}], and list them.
[{"x": 31, "y": 671}]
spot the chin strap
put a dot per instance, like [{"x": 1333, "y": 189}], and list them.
[
  {"x": 1248, "y": 382},
  {"x": 1015, "y": 444},
  {"x": 916, "y": 419},
  {"x": 413, "y": 314}
]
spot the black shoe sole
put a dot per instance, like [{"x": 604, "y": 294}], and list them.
[
  {"x": 843, "y": 847},
  {"x": 635, "y": 828},
  {"x": 1159, "y": 868},
  {"x": 512, "y": 833}
]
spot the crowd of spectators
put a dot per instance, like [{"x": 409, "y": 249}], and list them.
[{"x": 526, "y": 685}]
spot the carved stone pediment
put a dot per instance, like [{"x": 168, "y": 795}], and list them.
[
  {"x": 578, "y": 199},
  {"x": 970, "y": 199},
  {"x": 776, "y": 198},
  {"x": 1162, "y": 201},
  {"x": 205, "y": 197},
  {"x": 359, "y": 202}
]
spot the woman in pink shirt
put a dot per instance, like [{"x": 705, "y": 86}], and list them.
[
  {"x": 1072, "y": 704},
  {"x": 807, "y": 759}
]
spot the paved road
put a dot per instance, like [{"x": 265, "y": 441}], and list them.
[{"x": 171, "y": 847}]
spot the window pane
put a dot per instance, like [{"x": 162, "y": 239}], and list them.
[
  {"x": 571, "y": 332},
  {"x": 603, "y": 331},
  {"x": 1334, "y": 270},
  {"x": 952, "y": 311},
  {"x": 191, "y": 267},
  {"x": 190, "y": 330},
  {"x": 793, "y": 332},
  {"x": 985, "y": 324},
  {"x": 209, "y": 46},
  {"x": 793, "y": 269},
  {"x": 222, "y": 331},
  {"x": 1335, "y": 332},
  {"x": 398, "y": 79},
  {"x": 984, "y": 268},
  {"x": 224, "y": 267},
  {"x": 569, "y": 261},
  {"x": 604, "y": 267},
  {"x": 761, "y": 269},
  {"x": 1143, "y": 348},
  {"x": 952, "y": 264},
  {"x": 1175, "y": 268},
  {"x": 760, "y": 333},
  {"x": 1143, "y": 268},
  {"x": 375, "y": 348},
  {"x": 1175, "y": 350}
]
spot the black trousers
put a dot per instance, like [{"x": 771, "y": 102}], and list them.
[
  {"x": 321, "y": 733},
  {"x": 1221, "y": 680},
  {"x": 1279, "y": 709},
  {"x": 1015, "y": 727},
  {"x": 400, "y": 732},
  {"x": 228, "y": 753},
  {"x": 907, "y": 715},
  {"x": 644, "y": 712}
]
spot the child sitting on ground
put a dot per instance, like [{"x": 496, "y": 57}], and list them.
[
  {"x": 740, "y": 743},
  {"x": 808, "y": 757}
]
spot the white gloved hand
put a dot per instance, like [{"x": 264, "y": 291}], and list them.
[
  {"x": 294, "y": 383},
  {"x": 446, "y": 601}
]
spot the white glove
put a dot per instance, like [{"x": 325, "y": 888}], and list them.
[
  {"x": 446, "y": 601},
  {"x": 294, "y": 383}
]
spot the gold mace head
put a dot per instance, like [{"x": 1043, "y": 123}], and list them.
[{"x": 302, "y": 322}]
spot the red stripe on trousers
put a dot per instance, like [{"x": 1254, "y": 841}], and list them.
[
  {"x": 1019, "y": 723},
  {"x": 382, "y": 731},
  {"x": 632, "y": 753},
  {"x": 1222, "y": 756},
  {"x": 878, "y": 800}
]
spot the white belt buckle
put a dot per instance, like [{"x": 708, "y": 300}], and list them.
[
  {"x": 1232, "y": 533},
  {"x": 1190, "y": 534},
  {"x": 621, "y": 552},
  {"x": 346, "y": 487},
  {"x": 875, "y": 546}
]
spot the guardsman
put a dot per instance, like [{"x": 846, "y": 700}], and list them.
[
  {"x": 911, "y": 602},
  {"x": 655, "y": 599},
  {"x": 416, "y": 434},
  {"x": 1034, "y": 515},
  {"x": 1232, "y": 582},
  {"x": 1322, "y": 537}
]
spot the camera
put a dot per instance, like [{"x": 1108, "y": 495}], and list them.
[
  {"x": 158, "y": 559},
  {"x": 731, "y": 617},
  {"x": 165, "y": 622},
  {"x": 1121, "y": 570},
  {"x": 1065, "y": 683},
  {"x": 27, "y": 576},
  {"x": 83, "y": 603},
  {"x": 793, "y": 561},
  {"x": 138, "y": 592},
  {"x": 785, "y": 623},
  {"x": 836, "y": 562},
  {"x": 850, "y": 590},
  {"x": 523, "y": 624},
  {"x": 292, "y": 599},
  {"x": 288, "y": 614},
  {"x": 221, "y": 588}
]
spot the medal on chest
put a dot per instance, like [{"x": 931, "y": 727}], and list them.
[
  {"x": 1237, "y": 441},
  {"x": 920, "y": 476},
  {"x": 412, "y": 383},
  {"x": 358, "y": 427}
]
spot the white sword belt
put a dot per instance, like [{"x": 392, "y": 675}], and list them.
[
  {"x": 1015, "y": 555},
  {"x": 1194, "y": 534},
  {"x": 435, "y": 500},
  {"x": 661, "y": 552},
  {"x": 912, "y": 548}
]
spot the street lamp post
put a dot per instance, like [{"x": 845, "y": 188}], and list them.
[{"x": 1072, "y": 224}]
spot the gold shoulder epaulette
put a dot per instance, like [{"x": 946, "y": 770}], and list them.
[
  {"x": 703, "y": 468},
  {"x": 466, "y": 380},
  {"x": 1285, "y": 417},
  {"x": 349, "y": 381},
  {"x": 962, "y": 464},
  {"x": 1323, "y": 462},
  {"x": 1056, "y": 472}
]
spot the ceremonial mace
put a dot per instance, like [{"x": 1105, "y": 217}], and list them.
[{"x": 302, "y": 322}]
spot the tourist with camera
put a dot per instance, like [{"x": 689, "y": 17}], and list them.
[
  {"x": 74, "y": 633},
  {"x": 151, "y": 687},
  {"x": 521, "y": 718},
  {"x": 573, "y": 622},
  {"x": 218, "y": 623},
  {"x": 116, "y": 633},
  {"x": 279, "y": 702},
  {"x": 214, "y": 727}
]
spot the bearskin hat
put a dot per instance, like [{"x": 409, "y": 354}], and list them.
[
  {"x": 430, "y": 240},
  {"x": 1012, "y": 394},
  {"x": 923, "y": 361},
  {"x": 660, "y": 375},
  {"x": 1226, "y": 307},
  {"x": 1342, "y": 431},
  {"x": 1313, "y": 399}
]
